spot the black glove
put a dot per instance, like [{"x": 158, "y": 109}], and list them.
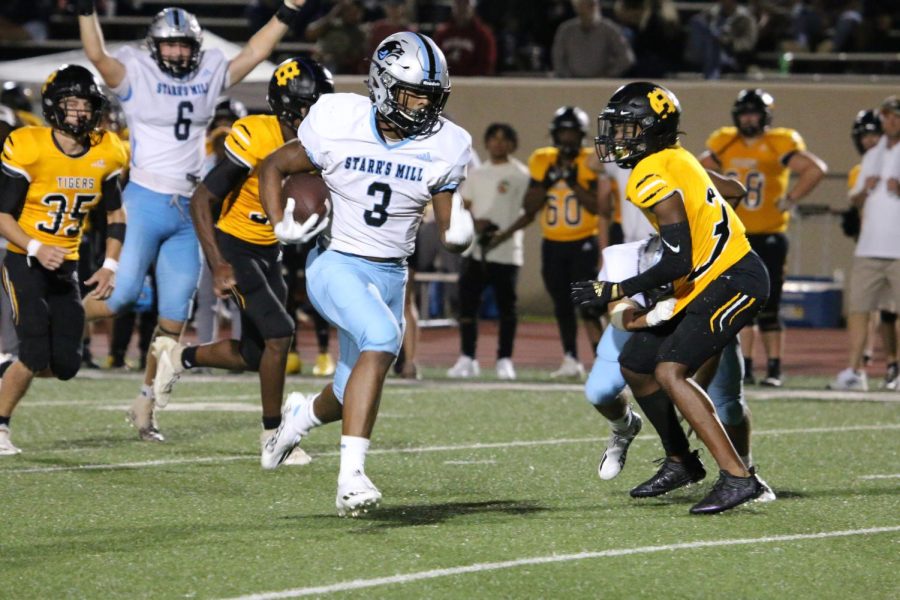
[
  {"x": 84, "y": 7},
  {"x": 595, "y": 293}
]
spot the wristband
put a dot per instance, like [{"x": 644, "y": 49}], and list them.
[
  {"x": 110, "y": 264},
  {"x": 287, "y": 13},
  {"x": 33, "y": 247},
  {"x": 617, "y": 315}
]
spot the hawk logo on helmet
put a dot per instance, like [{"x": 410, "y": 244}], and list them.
[
  {"x": 389, "y": 49},
  {"x": 286, "y": 72},
  {"x": 661, "y": 102}
]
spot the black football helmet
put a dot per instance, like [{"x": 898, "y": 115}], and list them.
[
  {"x": 16, "y": 97},
  {"x": 73, "y": 81},
  {"x": 227, "y": 111},
  {"x": 295, "y": 85},
  {"x": 753, "y": 101},
  {"x": 866, "y": 121},
  {"x": 640, "y": 119},
  {"x": 568, "y": 117}
]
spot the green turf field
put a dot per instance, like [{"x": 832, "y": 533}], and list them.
[{"x": 488, "y": 493}]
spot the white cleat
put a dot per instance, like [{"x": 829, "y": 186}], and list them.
[
  {"x": 142, "y": 416},
  {"x": 613, "y": 460},
  {"x": 464, "y": 368},
  {"x": 850, "y": 381},
  {"x": 297, "y": 458},
  {"x": 570, "y": 367},
  {"x": 279, "y": 446},
  {"x": 168, "y": 368},
  {"x": 7, "y": 448},
  {"x": 356, "y": 496},
  {"x": 505, "y": 369},
  {"x": 767, "y": 494}
]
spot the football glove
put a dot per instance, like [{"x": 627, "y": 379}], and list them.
[
  {"x": 595, "y": 293},
  {"x": 289, "y": 231},
  {"x": 661, "y": 312},
  {"x": 461, "y": 229}
]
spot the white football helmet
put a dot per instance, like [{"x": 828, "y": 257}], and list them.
[
  {"x": 409, "y": 63},
  {"x": 175, "y": 25}
]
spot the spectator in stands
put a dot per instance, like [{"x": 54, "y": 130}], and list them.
[
  {"x": 23, "y": 20},
  {"x": 721, "y": 39},
  {"x": 589, "y": 45},
  {"x": 876, "y": 264},
  {"x": 493, "y": 193},
  {"x": 654, "y": 31},
  {"x": 340, "y": 40},
  {"x": 467, "y": 43},
  {"x": 848, "y": 33},
  {"x": 807, "y": 28},
  {"x": 396, "y": 20}
]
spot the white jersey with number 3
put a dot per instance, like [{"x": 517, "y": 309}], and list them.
[
  {"x": 167, "y": 118},
  {"x": 379, "y": 189}
]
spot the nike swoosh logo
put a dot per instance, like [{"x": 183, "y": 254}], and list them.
[{"x": 674, "y": 249}]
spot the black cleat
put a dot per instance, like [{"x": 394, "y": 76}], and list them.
[
  {"x": 749, "y": 379},
  {"x": 671, "y": 476},
  {"x": 729, "y": 491}
]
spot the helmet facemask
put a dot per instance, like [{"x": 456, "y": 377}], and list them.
[
  {"x": 413, "y": 122},
  {"x": 86, "y": 125},
  {"x": 620, "y": 141},
  {"x": 749, "y": 131},
  {"x": 176, "y": 68}
]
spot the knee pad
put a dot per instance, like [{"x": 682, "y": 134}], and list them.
[
  {"x": 888, "y": 317},
  {"x": 381, "y": 336},
  {"x": 769, "y": 321},
  {"x": 34, "y": 353},
  {"x": 251, "y": 352},
  {"x": 604, "y": 383},
  {"x": 730, "y": 411},
  {"x": 66, "y": 367}
]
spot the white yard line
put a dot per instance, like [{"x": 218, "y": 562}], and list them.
[
  {"x": 892, "y": 476},
  {"x": 425, "y": 449},
  {"x": 357, "y": 584}
]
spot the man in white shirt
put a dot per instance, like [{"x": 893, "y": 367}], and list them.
[
  {"x": 876, "y": 262},
  {"x": 493, "y": 192}
]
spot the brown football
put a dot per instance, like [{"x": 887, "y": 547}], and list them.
[{"x": 310, "y": 195}]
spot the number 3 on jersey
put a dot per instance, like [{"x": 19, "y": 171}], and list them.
[
  {"x": 83, "y": 203},
  {"x": 378, "y": 216},
  {"x": 721, "y": 233}
]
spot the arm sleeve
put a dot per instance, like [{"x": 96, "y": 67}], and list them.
[
  {"x": 672, "y": 265},
  {"x": 225, "y": 176},
  {"x": 112, "y": 193},
  {"x": 13, "y": 188}
]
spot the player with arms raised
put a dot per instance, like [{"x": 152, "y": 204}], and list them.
[
  {"x": 52, "y": 177},
  {"x": 243, "y": 253},
  {"x": 719, "y": 282},
  {"x": 383, "y": 159}
]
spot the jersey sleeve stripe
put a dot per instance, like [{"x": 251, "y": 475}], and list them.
[
  {"x": 450, "y": 187},
  {"x": 113, "y": 175},
  {"x": 653, "y": 184},
  {"x": 787, "y": 157},
  {"x": 244, "y": 138},
  {"x": 236, "y": 158},
  {"x": 638, "y": 184},
  {"x": 16, "y": 172}
]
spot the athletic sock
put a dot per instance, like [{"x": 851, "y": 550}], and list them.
[
  {"x": 661, "y": 413},
  {"x": 189, "y": 357},
  {"x": 748, "y": 366},
  {"x": 5, "y": 421},
  {"x": 4, "y": 366},
  {"x": 774, "y": 367},
  {"x": 622, "y": 425},
  {"x": 271, "y": 422},
  {"x": 353, "y": 456}
]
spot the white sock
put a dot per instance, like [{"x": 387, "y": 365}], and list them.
[
  {"x": 307, "y": 419},
  {"x": 620, "y": 425},
  {"x": 353, "y": 456}
]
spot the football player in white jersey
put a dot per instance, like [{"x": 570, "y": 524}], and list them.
[
  {"x": 383, "y": 159},
  {"x": 169, "y": 96}
]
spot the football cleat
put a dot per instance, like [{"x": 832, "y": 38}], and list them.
[
  {"x": 771, "y": 381},
  {"x": 671, "y": 476},
  {"x": 850, "y": 380},
  {"x": 570, "y": 367},
  {"x": 728, "y": 492},
  {"x": 749, "y": 379},
  {"x": 294, "y": 365},
  {"x": 168, "y": 368},
  {"x": 142, "y": 416},
  {"x": 324, "y": 366},
  {"x": 7, "y": 448},
  {"x": 356, "y": 496},
  {"x": 297, "y": 458},
  {"x": 505, "y": 369},
  {"x": 891, "y": 378},
  {"x": 279, "y": 446},
  {"x": 768, "y": 495},
  {"x": 464, "y": 368},
  {"x": 613, "y": 460}
]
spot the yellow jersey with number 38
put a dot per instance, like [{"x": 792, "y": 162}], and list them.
[
  {"x": 62, "y": 189},
  {"x": 718, "y": 237},
  {"x": 761, "y": 165},
  {"x": 563, "y": 219},
  {"x": 251, "y": 139}
]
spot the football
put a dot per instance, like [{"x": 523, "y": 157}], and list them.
[{"x": 310, "y": 195}]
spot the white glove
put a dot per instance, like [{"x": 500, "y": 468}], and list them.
[
  {"x": 461, "y": 231},
  {"x": 785, "y": 204},
  {"x": 663, "y": 311},
  {"x": 289, "y": 231}
]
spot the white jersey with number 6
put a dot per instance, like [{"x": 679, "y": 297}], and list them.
[
  {"x": 379, "y": 189},
  {"x": 167, "y": 118}
]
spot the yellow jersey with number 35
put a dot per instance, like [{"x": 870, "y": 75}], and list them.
[
  {"x": 761, "y": 165},
  {"x": 718, "y": 237},
  {"x": 563, "y": 219},
  {"x": 251, "y": 139},
  {"x": 62, "y": 189}
]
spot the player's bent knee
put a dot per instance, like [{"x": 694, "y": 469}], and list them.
[
  {"x": 278, "y": 345},
  {"x": 382, "y": 338},
  {"x": 65, "y": 368},
  {"x": 35, "y": 354},
  {"x": 731, "y": 412},
  {"x": 668, "y": 374}
]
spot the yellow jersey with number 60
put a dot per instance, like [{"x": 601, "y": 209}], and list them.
[
  {"x": 62, "y": 189},
  {"x": 718, "y": 239},
  {"x": 250, "y": 141},
  {"x": 761, "y": 165},
  {"x": 563, "y": 219}
]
